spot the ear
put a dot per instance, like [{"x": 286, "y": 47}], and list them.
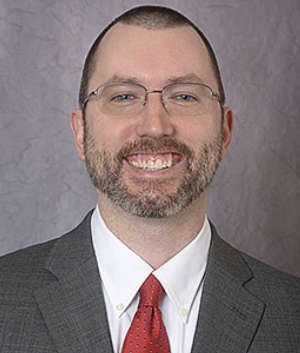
[
  {"x": 77, "y": 126},
  {"x": 227, "y": 130}
]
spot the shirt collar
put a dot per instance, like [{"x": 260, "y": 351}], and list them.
[
  {"x": 121, "y": 270},
  {"x": 181, "y": 276}
]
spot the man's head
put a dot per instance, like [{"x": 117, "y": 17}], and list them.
[
  {"x": 157, "y": 161},
  {"x": 152, "y": 18}
]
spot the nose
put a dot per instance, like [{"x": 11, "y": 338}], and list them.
[{"x": 154, "y": 119}]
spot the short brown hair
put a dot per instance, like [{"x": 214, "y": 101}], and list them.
[{"x": 149, "y": 17}]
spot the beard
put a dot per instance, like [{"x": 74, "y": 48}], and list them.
[{"x": 150, "y": 197}]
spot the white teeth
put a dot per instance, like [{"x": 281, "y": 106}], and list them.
[
  {"x": 134, "y": 163},
  {"x": 151, "y": 165},
  {"x": 158, "y": 164}
]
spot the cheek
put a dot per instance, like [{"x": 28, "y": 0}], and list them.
[
  {"x": 110, "y": 133},
  {"x": 195, "y": 130}
]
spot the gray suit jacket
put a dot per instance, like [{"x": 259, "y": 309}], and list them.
[{"x": 51, "y": 301}]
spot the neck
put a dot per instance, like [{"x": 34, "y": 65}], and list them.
[{"x": 155, "y": 240}]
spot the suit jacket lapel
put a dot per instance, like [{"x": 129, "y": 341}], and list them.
[
  {"x": 229, "y": 314},
  {"x": 72, "y": 302}
]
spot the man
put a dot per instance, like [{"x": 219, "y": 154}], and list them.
[{"x": 145, "y": 271}]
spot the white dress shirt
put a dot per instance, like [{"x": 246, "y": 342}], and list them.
[{"x": 123, "y": 272}]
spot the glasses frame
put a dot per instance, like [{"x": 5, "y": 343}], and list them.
[{"x": 95, "y": 92}]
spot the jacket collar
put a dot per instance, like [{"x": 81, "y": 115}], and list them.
[
  {"x": 72, "y": 304},
  {"x": 229, "y": 314}
]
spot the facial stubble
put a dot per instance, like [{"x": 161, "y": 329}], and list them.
[{"x": 151, "y": 198}]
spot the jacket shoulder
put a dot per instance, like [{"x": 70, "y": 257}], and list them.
[
  {"x": 21, "y": 272},
  {"x": 258, "y": 277},
  {"x": 26, "y": 260},
  {"x": 25, "y": 270},
  {"x": 29, "y": 261},
  {"x": 273, "y": 282}
]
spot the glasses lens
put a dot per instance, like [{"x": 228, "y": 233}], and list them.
[
  {"x": 118, "y": 99},
  {"x": 188, "y": 99}
]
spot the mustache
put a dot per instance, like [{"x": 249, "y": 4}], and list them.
[{"x": 154, "y": 146}]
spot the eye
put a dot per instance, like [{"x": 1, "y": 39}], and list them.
[
  {"x": 185, "y": 97},
  {"x": 122, "y": 98}
]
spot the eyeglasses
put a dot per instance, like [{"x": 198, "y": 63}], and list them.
[{"x": 123, "y": 98}]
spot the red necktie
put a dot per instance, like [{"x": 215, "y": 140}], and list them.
[{"x": 147, "y": 332}]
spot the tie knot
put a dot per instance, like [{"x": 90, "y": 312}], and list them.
[{"x": 151, "y": 292}]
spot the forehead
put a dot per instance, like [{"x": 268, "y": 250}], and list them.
[{"x": 152, "y": 57}]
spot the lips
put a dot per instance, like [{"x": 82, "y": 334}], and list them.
[{"x": 154, "y": 162}]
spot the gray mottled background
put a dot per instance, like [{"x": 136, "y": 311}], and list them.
[{"x": 44, "y": 188}]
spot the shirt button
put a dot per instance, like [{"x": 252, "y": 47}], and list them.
[
  {"x": 120, "y": 307},
  {"x": 183, "y": 311}
]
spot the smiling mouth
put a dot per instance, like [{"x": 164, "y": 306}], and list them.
[{"x": 154, "y": 162}]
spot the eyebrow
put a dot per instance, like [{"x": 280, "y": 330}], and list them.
[
  {"x": 128, "y": 79},
  {"x": 190, "y": 77}
]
